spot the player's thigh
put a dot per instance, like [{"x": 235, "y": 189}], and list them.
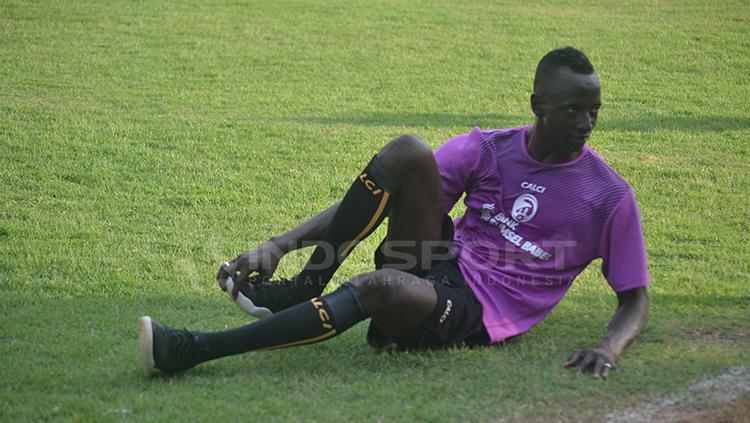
[
  {"x": 415, "y": 222},
  {"x": 417, "y": 210},
  {"x": 457, "y": 318}
]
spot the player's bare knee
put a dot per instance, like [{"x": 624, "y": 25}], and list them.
[{"x": 405, "y": 153}]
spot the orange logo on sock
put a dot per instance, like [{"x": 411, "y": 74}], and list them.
[
  {"x": 370, "y": 184},
  {"x": 322, "y": 313}
]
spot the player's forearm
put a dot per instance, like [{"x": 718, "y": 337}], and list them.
[
  {"x": 310, "y": 231},
  {"x": 629, "y": 320}
]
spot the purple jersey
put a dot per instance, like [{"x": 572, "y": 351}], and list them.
[{"x": 530, "y": 228}]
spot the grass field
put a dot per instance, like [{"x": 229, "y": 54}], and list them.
[{"x": 142, "y": 144}]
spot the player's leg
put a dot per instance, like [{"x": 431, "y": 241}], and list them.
[
  {"x": 167, "y": 350},
  {"x": 415, "y": 221},
  {"x": 397, "y": 299},
  {"x": 434, "y": 311},
  {"x": 406, "y": 308},
  {"x": 402, "y": 181}
]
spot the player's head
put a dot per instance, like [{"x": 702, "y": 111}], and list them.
[{"x": 566, "y": 98}]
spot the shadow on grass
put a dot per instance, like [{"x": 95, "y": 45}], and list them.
[
  {"x": 496, "y": 120},
  {"x": 415, "y": 119},
  {"x": 348, "y": 360}
]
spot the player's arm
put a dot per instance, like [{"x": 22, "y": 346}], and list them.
[
  {"x": 304, "y": 234},
  {"x": 629, "y": 320},
  {"x": 265, "y": 259},
  {"x": 625, "y": 266}
]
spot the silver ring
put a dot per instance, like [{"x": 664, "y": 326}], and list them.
[{"x": 608, "y": 365}]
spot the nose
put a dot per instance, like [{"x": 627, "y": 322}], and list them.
[{"x": 585, "y": 122}]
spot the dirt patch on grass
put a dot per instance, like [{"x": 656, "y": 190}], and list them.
[
  {"x": 737, "y": 410},
  {"x": 725, "y": 398}
]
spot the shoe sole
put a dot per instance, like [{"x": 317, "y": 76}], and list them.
[
  {"x": 246, "y": 304},
  {"x": 146, "y": 345}
]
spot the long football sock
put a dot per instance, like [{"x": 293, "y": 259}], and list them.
[
  {"x": 313, "y": 321},
  {"x": 362, "y": 210}
]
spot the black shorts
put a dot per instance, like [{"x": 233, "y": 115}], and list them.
[{"x": 456, "y": 320}]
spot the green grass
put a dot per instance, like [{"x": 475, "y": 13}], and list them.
[{"x": 142, "y": 144}]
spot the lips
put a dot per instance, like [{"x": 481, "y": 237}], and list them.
[{"x": 580, "y": 139}]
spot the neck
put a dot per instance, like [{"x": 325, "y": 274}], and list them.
[{"x": 542, "y": 149}]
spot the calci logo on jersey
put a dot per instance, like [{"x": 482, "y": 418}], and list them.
[{"x": 524, "y": 208}]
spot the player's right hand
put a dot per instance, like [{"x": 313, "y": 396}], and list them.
[{"x": 263, "y": 261}]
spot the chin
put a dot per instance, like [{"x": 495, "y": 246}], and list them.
[{"x": 577, "y": 144}]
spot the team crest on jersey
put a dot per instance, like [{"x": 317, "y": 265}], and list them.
[{"x": 524, "y": 208}]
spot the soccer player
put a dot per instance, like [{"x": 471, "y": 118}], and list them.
[{"x": 540, "y": 206}]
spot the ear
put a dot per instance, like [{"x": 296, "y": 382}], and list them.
[{"x": 538, "y": 106}]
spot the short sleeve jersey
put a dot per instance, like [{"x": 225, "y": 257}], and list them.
[{"x": 530, "y": 227}]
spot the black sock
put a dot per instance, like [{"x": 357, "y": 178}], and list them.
[
  {"x": 361, "y": 211},
  {"x": 313, "y": 321}
]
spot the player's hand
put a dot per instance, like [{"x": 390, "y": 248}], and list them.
[
  {"x": 263, "y": 261},
  {"x": 599, "y": 361}
]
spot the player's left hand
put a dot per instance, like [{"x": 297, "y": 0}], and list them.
[{"x": 599, "y": 361}]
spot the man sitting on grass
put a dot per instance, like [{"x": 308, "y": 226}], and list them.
[{"x": 540, "y": 206}]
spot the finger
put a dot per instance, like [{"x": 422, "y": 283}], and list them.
[
  {"x": 586, "y": 361},
  {"x": 573, "y": 358},
  {"x": 232, "y": 265},
  {"x": 244, "y": 273},
  {"x": 599, "y": 367},
  {"x": 239, "y": 265}
]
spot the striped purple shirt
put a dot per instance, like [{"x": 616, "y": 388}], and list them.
[{"x": 530, "y": 228}]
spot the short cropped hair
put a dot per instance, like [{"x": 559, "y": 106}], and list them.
[{"x": 565, "y": 57}]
